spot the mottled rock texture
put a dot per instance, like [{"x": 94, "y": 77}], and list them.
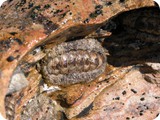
[{"x": 129, "y": 87}]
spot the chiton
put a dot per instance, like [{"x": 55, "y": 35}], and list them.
[{"x": 74, "y": 62}]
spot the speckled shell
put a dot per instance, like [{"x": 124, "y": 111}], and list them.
[{"x": 74, "y": 62}]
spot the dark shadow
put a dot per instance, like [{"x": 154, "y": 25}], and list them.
[{"x": 135, "y": 37}]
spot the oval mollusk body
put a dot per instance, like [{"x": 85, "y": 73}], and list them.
[{"x": 74, "y": 62}]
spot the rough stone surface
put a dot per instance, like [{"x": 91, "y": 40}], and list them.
[{"x": 26, "y": 24}]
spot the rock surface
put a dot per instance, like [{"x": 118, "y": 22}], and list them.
[{"x": 133, "y": 44}]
